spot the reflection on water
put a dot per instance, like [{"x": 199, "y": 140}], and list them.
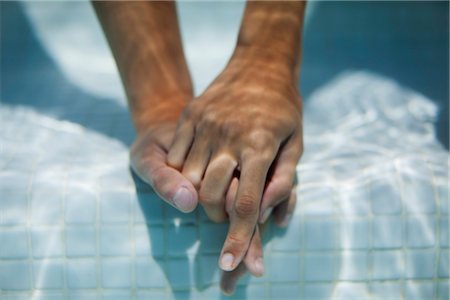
[{"x": 372, "y": 217}]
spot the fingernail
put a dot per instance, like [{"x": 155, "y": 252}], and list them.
[
  {"x": 259, "y": 266},
  {"x": 226, "y": 262},
  {"x": 285, "y": 221},
  {"x": 266, "y": 214},
  {"x": 183, "y": 199}
]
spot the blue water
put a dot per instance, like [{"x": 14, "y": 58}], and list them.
[{"x": 372, "y": 220}]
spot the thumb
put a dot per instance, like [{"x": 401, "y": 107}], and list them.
[{"x": 167, "y": 182}]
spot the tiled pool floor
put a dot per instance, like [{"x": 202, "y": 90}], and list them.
[{"x": 372, "y": 220}]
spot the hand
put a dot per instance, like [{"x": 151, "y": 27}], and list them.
[{"x": 248, "y": 120}]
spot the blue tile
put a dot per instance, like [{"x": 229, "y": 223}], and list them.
[
  {"x": 117, "y": 295},
  {"x": 353, "y": 266},
  {"x": 444, "y": 264},
  {"x": 322, "y": 234},
  {"x": 279, "y": 291},
  {"x": 149, "y": 241},
  {"x": 181, "y": 273},
  {"x": 116, "y": 273},
  {"x": 444, "y": 232},
  {"x": 180, "y": 239},
  {"x": 15, "y": 276},
  {"x": 290, "y": 238},
  {"x": 387, "y": 265},
  {"x": 50, "y": 295},
  {"x": 420, "y": 264},
  {"x": 81, "y": 273},
  {"x": 47, "y": 243},
  {"x": 48, "y": 274},
  {"x": 354, "y": 202},
  {"x": 80, "y": 241},
  {"x": 317, "y": 291},
  {"x": 418, "y": 194},
  {"x": 320, "y": 266},
  {"x": 13, "y": 207},
  {"x": 442, "y": 191},
  {"x": 81, "y": 205},
  {"x": 419, "y": 290},
  {"x": 46, "y": 206},
  {"x": 78, "y": 295},
  {"x": 14, "y": 243},
  {"x": 150, "y": 274},
  {"x": 115, "y": 207},
  {"x": 284, "y": 267},
  {"x": 355, "y": 233},
  {"x": 212, "y": 236},
  {"x": 317, "y": 202},
  {"x": 387, "y": 232},
  {"x": 443, "y": 290},
  {"x": 350, "y": 291},
  {"x": 210, "y": 273},
  {"x": 149, "y": 209},
  {"x": 115, "y": 240},
  {"x": 146, "y": 295},
  {"x": 386, "y": 198},
  {"x": 421, "y": 231},
  {"x": 174, "y": 216},
  {"x": 386, "y": 290}
]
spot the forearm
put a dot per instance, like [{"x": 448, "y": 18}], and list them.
[
  {"x": 270, "y": 36},
  {"x": 146, "y": 44}
]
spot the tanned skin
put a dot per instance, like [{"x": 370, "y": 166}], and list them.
[{"x": 234, "y": 148}]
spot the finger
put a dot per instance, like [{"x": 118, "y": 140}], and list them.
[
  {"x": 230, "y": 278},
  {"x": 182, "y": 141},
  {"x": 214, "y": 185},
  {"x": 245, "y": 211},
  {"x": 284, "y": 211},
  {"x": 231, "y": 194},
  {"x": 196, "y": 161},
  {"x": 167, "y": 182},
  {"x": 254, "y": 256},
  {"x": 282, "y": 178}
]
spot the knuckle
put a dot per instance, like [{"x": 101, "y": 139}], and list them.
[
  {"x": 246, "y": 206},
  {"x": 236, "y": 241},
  {"x": 261, "y": 141},
  {"x": 208, "y": 198}
]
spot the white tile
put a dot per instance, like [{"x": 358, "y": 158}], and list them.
[
  {"x": 355, "y": 233},
  {"x": 385, "y": 196},
  {"x": 418, "y": 194},
  {"x": 353, "y": 266},
  {"x": 386, "y": 290},
  {"x": 46, "y": 206},
  {"x": 81, "y": 273}
]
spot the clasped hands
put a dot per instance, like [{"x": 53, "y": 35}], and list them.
[{"x": 234, "y": 149}]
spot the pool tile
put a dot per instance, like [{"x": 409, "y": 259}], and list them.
[
  {"x": 149, "y": 241},
  {"x": 284, "y": 267},
  {"x": 420, "y": 231},
  {"x": 116, "y": 273},
  {"x": 148, "y": 208},
  {"x": 386, "y": 290},
  {"x": 385, "y": 197},
  {"x": 320, "y": 266},
  {"x": 420, "y": 264},
  {"x": 150, "y": 273},
  {"x": 444, "y": 264},
  {"x": 280, "y": 291},
  {"x": 115, "y": 207},
  {"x": 210, "y": 273},
  {"x": 13, "y": 207},
  {"x": 316, "y": 291},
  {"x": 387, "y": 265},
  {"x": 180, "y": 239},
  {"x": 15, "y": 276},
  {"x": 81, "y": 273},
  {"x": 47, "y": 243},
  {"x": 350, "y": 291},
  {"x": 212, "y": 236},
  {"x": 419, "y": 290},
  {"x": 443, "y": 290},
  {"x": 354, "y": 202},
  {"x": 322, "y": 234},
  {"x": 355, "y": 233},
  {"x": 353, "y": 266},
  {"x": 81, "y": 206},
  {"x": 415, "y": 191},
  {"x": 444, "y": 232},
  {"x": 146, "y": 295},
  {"x": 115, "y": 241},
  {"x": 46, "y": 206},
  {"x": 181, "y": 273},
  {"x": 14, "y": 243},
  {"x": 48, "y": 274},
  {"x": 80, "y": 241},
  {"x": 289, "y": 238},
  {"x": 117, "y": 295},
  {"x": 387, "y": 232}
]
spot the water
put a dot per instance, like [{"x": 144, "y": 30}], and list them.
[{"x": 372, "y": 220}]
